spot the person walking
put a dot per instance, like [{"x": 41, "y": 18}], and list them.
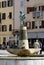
[{"x": 36, "y": 44}]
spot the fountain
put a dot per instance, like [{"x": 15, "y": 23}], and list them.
[
  {"x": 23, "y": 41},
  {"x": 13, "y": 58},
  {"x": 23, "y": 47}
]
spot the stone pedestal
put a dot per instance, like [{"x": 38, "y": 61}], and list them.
[{"x": 23, "y": 41}]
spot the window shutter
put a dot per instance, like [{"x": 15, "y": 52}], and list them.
[{"x": 33, "y": 25}]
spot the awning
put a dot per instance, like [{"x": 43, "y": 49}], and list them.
[{"x": 35, "y": 34}]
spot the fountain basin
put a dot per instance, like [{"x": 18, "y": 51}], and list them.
[{"x": 24, "y": 52}]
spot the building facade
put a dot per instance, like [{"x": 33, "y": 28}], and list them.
[
  {"x": 9, "y": 18},
  {"x": 18, "y": 6},
  {"x": 6, "y": 20},
  {"x": 34, "y": 11}
]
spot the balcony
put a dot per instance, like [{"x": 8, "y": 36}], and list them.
[
  {"x": 37, "y": 14},
  {"x": 36, "y": 30}
]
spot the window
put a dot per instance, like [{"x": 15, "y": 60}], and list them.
[
  {"x": 4, "y": 28},
  {"x": 33, "y": 24},
  {"x": 27, "y": 0},
  {"x": 28, "y": 25},
  {"x": 3, "y": 4},
  {"x": 25, "y": 23},
  {"x": 0, "y": 4},
  {"x": 3, "y": 16},
  {"x": 27, "y": 10},
  {"x": 22, "y": 3},
  {"x": 42, "y": 23},
  {"x": 10, "y": 3},
  {"x": 42, "y": 8},
  {"x": 0, "y": 17},
  {"x": 10, "y": 27},
  {"x": 30, "y": 9},
  {"x": 10, "y": 15}
]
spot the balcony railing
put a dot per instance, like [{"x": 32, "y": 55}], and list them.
[
  {"x": 37, "y": 14},
  {"x": 36, "y": 30}
]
